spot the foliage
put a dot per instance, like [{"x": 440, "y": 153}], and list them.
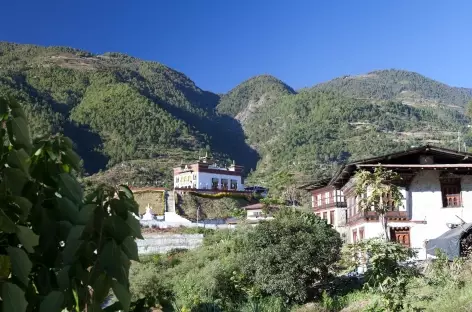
[
  {"x": 63, "y": 251},
  {"x": 398, "y": 85},
  {"x": 213, "y": 207},
  {"x": 289, "y": 256},
  {"x": 442, "y": 272},
  {"x": 386, "y": 272},
  {"x": 377, "y": 191},
  {"x": 258, "y": 88}
]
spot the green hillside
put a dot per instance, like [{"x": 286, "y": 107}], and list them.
[
  {"x": 117, "y": 108},
  {"x": 251, "y": 94},
  {"x": 399, "y": 85},
  {"x": 133, "y": 120}
]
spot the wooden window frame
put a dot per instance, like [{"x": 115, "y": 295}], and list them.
[{"x": 451, "y": 193}]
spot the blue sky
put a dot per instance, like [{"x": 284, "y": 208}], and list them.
[{"x": 220, "y": 43}]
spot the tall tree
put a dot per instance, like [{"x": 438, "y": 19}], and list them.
[{"x": 378, "y": 192}]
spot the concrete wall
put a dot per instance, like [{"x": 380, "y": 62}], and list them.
[{"x": 162, "y": 243}]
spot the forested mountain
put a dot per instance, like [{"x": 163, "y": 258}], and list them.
[
  {"x": 139, "y": 118},
  {"x": 116, "y": 107},
  {"x": 399, "y": 85},
  {"x": 245, "y": 100}
]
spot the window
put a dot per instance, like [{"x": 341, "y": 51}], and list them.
[
  {"x": 361, "y": 233},
  {"x": 313, "y": 202},
  {"x": 354, "y": 236},
  {"x": 319, "y": 200},
  {"x": 451, "y": 192},
  {"x": 387, "y": 199},
  {"x": 327, "y": 198},
  {"x": 214, "y": 183},
  {"x": 194, "y": 176},
  {"x": 331, "y": 217},
  {"x": 257, "y": 214},
  {"x": 234, "y": 184},
  {"x": 224, "y": 184},
  {"x": 325, "y": 215}
]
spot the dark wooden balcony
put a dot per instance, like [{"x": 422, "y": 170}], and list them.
[
  {"x": 372, "y": 216},
  {"x": 339, "y": 204}
]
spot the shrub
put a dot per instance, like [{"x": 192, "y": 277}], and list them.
[
  {"x": 386, "y": 272},
  {"x": 290, "y": 256}
]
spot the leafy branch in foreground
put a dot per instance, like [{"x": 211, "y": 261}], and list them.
[{"x": 58, "y": 250}]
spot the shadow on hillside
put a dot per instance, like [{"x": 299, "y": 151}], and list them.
[
  {"x": 85, "y": 144},
  {"x": 224, "y": 133}
]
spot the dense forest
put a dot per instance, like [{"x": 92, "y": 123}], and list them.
[{"x": 133, "y": 120}]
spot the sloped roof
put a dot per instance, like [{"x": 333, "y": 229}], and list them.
[{"x": 346, "y": 171}]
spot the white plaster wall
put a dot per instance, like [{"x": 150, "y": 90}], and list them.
[
  {"x": 251, "y": 215},
  {"x": 204, "y": 180}
]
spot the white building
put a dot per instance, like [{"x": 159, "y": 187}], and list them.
[
  {"x": 436, "y": 185},
  {"x": 206, "y": 175}
]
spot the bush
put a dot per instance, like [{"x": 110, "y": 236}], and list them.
[
  {"x": 290, "y": 256},
  {"x": 386, "y": 272}
]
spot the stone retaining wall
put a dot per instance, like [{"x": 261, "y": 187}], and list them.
[{"x": 162, "y": 243}]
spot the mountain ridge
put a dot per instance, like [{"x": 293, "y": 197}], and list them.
[{"x": 140, "y": 118}]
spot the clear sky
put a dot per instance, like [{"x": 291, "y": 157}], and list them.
[{"x": 220, "y": 43}]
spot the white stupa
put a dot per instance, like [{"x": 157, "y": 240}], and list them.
[{"x": 148, "y": 216}]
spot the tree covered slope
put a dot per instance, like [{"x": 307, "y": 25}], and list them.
[
  {"x": 399, "y": 85},
  {"x": 134, "y": 120},
  {"x": 116, "y": 107}
]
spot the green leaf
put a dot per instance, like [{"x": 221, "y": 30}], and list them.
[
  {"x": 67, "y": 209},
  {"x": 101, "y": 287},
  {"x": 122, "y": 294},
  {"x": 70, "y": 188},
  {"x": 3, "y": 107},
  {"x": 85, "y": 213},
  {"x": 130, "y": 248},
  {"x": 114, "y": 262},
  {"x": 20, "y": 131},
  {"x": 72, "y": 243},
  {"x": 16, "y": 109},
  {"x": 53, "y": 302},
  {"x": 13, "y": 298},
  {"x": 126, "y": 191},
  {"x": 24, "y": 204},
  {"x": 15, "y": 180},
  {"x": 134, "y": 225},
  {"x": 63, "y": 280},
  {"x": 27, "y": 238},
  {"x": 6, "y": 224},
  {"x": 119, "y": 207},
  {"x": 19, "y": 159},
  {"x": 20, "y": 264},
  {"x": 5, "y": 266},
  {"x": 71, "y": 158}
]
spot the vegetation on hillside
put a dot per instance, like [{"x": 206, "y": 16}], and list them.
[
  {"x": 260, "y": 88},
  {"x": 116, "y": 107},
  {"x": 126, "y": 113},
  {"x": 398, "y": 85}
]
